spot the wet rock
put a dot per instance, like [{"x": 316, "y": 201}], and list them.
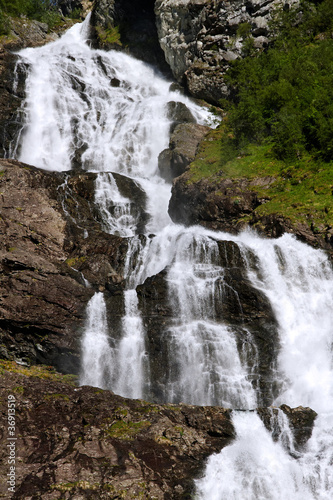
[
  {"x": 91, "y": 443},
  {"x": 183, "y": 145},
  {"x": 178, "y": 113},
  {"x": 301, "y": 421},
  {"x": 12, "y": 80},
  {"x": 236, "y": 303}
]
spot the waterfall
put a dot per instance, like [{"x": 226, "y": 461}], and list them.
[
  {"x": 107, "y": 113},
  {"x": 299, "y": 283},
  {"x": 97, "y": 356}
]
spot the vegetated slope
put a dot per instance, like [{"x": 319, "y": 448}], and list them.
[{"x": 270, "y": 163}]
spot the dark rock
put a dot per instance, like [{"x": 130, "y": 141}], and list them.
[
  {"x": 93, "y": 444},
  {"x": 12, "y": 79},
  {"x": 178, "y": 113},
  {"x": 230, "y": 205},
  {"x": 129, "y": 26},
  {"x": 301, "y": 421}
]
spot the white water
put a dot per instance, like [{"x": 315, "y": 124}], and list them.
[
  {"x": 112, "y": 109},
  {"x": 97, "y": 356}
]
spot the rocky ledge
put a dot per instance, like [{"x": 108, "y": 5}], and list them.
[
  {"x": 82, "y": 442},
  {"x": 229, "y": 197}
]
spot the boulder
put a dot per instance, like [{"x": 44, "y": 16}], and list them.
[
  {"x": 183, "y": 145},
  {"x": 301, "y": 421}
]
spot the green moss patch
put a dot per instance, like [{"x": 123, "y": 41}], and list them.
[
  {"x": 38, "y": 371},
  {"x": 109, "y": 36},
  {"x": 126, "y": 430}
]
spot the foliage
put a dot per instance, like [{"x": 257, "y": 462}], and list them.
[
  {"x": 109, "y": 36},
  {"x": 41, "y": 10},
  {"x": 4, "y": 23},
  {"x": 284, "y": 95}
]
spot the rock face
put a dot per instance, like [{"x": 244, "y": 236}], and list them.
[
  {"x": 51, "y": 242},
  {"x": 200, "y": 38},
  {"x": 88, "y": 443},
  {"x": 230, "y": 205},
  {"x": 300, "y": 419}
]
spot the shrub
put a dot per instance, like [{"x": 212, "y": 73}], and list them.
[{"x": 285, "y": 94}]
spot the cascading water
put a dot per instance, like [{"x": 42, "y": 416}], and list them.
[{"x": 106, "y": 112}]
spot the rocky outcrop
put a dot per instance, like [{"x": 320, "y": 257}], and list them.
[
  {"x": 82, "y": 442},
  {"x": 200, "y": 38},
  {"x": 88, "y": 443},
  {"x": 51, "y": 245},
  {"x": 230, "y": 205},
  {"x": 183, "y": 145},
  {"x": 300, "y": 420},
  {"x": 237, "y": 304}
]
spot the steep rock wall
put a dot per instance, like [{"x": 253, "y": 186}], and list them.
[{"x": 200, "y": 38}]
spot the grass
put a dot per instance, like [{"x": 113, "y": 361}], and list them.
[
  {"x": 38, "y": 371},
  {"x": 300, "y": 190}
]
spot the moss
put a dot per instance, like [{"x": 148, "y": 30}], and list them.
[
  {"x": 62, "y": 397},
  {"x": 300, "y": 190},
  {"x": 38, "y": 371},
  {"x": 19, "y": 389},
  {"x": 74, "y": 261},
  {"x": 126, "y": 430}
]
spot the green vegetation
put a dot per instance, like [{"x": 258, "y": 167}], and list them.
[
  {"x": 284, "y": 95},
  {"x": 299, "y": 189},
  {"x": 46, "y": 11},
  {"x": 38, "y": 371},
  {"x": 109, "y": 36},
  {"x": 126, "y": 430},
  {"x": 278, "y": 129}
]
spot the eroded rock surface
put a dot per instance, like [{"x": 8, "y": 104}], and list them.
[
  {"x": 82, "y": 442},
  {"x": 183, "y": 145}
]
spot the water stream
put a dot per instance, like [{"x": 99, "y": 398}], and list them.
[{"x": 107, "y": 112}]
